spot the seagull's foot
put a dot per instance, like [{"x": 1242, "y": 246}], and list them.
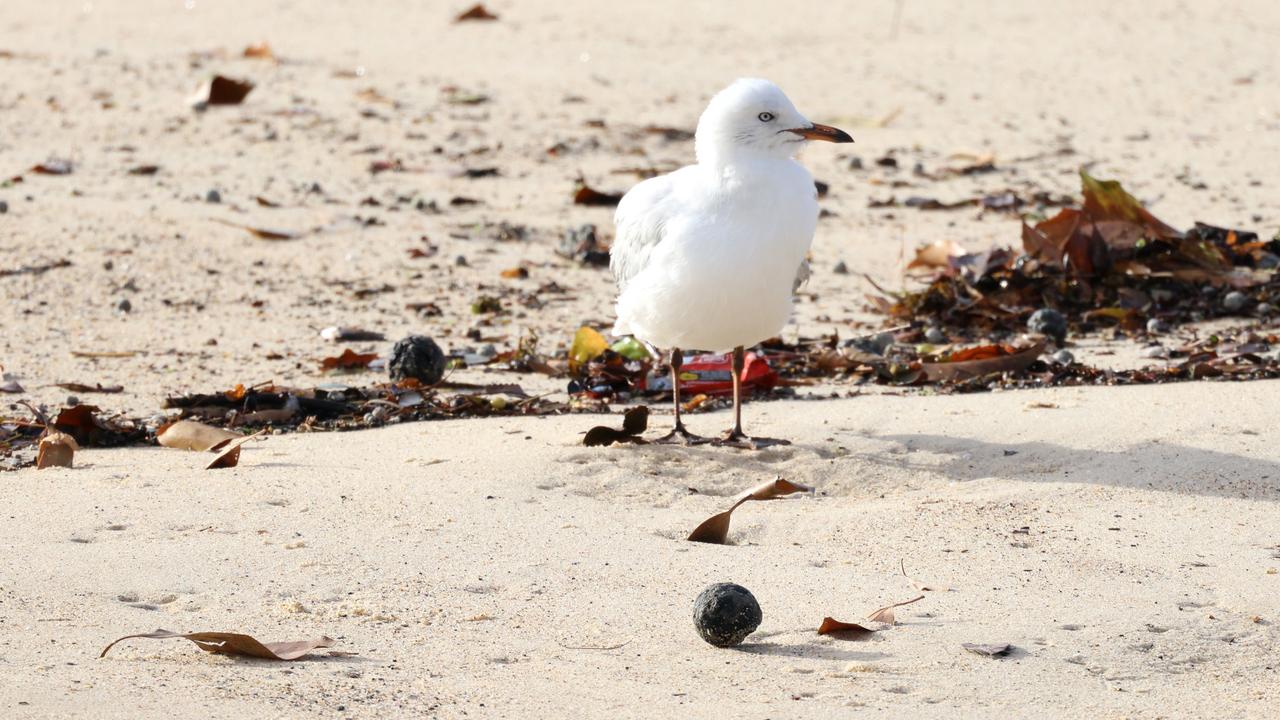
[
  {"x": 739, "y": 439},
  {"x": 681, "y": 436}
]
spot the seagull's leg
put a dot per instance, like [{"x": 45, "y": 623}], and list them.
[
  {"x": 736, "y": 437},
  {"x": 678, "y": 435}
]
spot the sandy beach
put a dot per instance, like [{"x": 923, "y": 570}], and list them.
[{"x": 1121, "y": 540}]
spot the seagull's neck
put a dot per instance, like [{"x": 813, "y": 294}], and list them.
[{"x": 749, "y": 167}]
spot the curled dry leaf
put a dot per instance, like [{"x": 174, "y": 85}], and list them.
[
  {"x": 715, "y": 529},
  {"x": 226, "y": 91},
  {"x": 260, "y": 51},
  {"x": 634, "y": 423},
  {"x": 922, "y": 587},
  {"x": 57, "y": 449},
  {"x": 585, "y": 195},
  {"x": 54, "y": 166},
  {"x": 980, "y": 361},
  {"x": 476, "y": 12},
  {"x": 348, "y": 360},
  {"x": 264, "y": 233},
  {"x": 881, "y": 619},
  {"x": 85, "y": 388},
  {"x": 230, "y": 455},
  {"x": 192, "y": 435},
  {"x": 220, "y": 643}
]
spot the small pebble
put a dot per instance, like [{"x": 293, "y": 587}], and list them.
[
  {"x": 1264, "y": 309},
  {"x": 855, "y": 163},
  {"x": 460, "y": 261},
  {"x": 213, "y": 196},
  {"x": 1050, "y": 322},
  {"x": 1064, "y": 357},
  {"x": 840, "y": 268},
  {"x": 124, "y": 306},
  {"x": 4, "y": 207},
  {"x": 935, "y": 336},
  {"x": 1156, "y": 326},
  {"x": 1235, "y": 301},
  {"x": 725, "y": 614}
]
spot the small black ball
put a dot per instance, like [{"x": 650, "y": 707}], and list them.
[
  {"x": 419, "y": 357},
  {"x": 725, "y": 614},
  {"x": 1050, "y": 322}
]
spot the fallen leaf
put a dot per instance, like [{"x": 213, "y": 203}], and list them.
[
  {"x": 922, "y": 587},
  {"x": 264, "y": 202},
  {"x": 885, "y": 614},
  {"x": 220, "y": 643},
  {"x": 585, "y": 195},
  {"x": 260, "y": 51},
  {"x": 230, "y": 455},
  {"x": 348, "y": 360},
  {"x": 587, "y": 346},
  {"x": 192, "y": 435},
  {"x": 476, "y": 12},
  {"x": 83, "y": 388},
  {"x": 936, "y": 255},
  {"x": 264, "y": 233},
  {"x": 57, "y": 449},
  {"x": 634, "y": 423},
  {"x": 516, "y": 273},
  {"x": 983, "y": 360},
  {"x": 103, "y": 354},
  {"x": 715, "y": 529},
  {"x": 145, "y": 170},
  {"x": 54, "y": 166},
  {"x": 226, "y": 91},
  {"x": 987, "y": 650}
]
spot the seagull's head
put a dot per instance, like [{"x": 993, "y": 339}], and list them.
[{"x": 753, "y": 117}]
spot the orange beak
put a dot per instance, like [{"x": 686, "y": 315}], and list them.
[{"x": 823, "y": 132}]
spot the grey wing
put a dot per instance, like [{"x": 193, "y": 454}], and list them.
[
  {"x": 802, "y": 275},
  {"x": 641, "y": 224}
]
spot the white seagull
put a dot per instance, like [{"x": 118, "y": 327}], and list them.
[{"x": 709, "y": 256}]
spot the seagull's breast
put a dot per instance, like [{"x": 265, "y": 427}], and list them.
[{"x": 723, "y": 274}]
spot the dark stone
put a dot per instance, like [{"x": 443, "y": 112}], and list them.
[
  {"x": 725, "y": 614},
  {"x": 213, "y": 196},
  {"x": 124, "y": 306},
  {"x": 1049, "y": 322},
  {"x": 419, "y": 357},
  {"x": 1235, "y": 301},
  {"x": 4, "y": 207},
  {"x": 580, "y": 244}
]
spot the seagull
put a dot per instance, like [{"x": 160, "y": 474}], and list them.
[{"x": 709, "y": 256}]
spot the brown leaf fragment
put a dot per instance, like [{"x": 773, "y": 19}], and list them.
[
  {"x": 476, "y": 12},
  {"x": 922, "y": 587},
  {"x": 516, "y": 273},
  {"x": 885, "y": 614},
  {"x": 264, "y": 233},
  {"x": 95, "y": 388},
  {"x": 236, "y": 644},
  {"x": 144, "y": 170},
  {"x": 54, "y": 166},
  {"x": 104, "y": 353},
  {"x": 586, "y": 195},
  {"x": 980, "y": 361},
  {"x": 227, "y": 91},
  {"x": 260, "y": 51},
  {"x": 855, "y": 630},
  {"x": 348, "y": 360},
  {"x": 230, "y": 455},
  {"x": 57, "y": 449},
  {"x": 715, "y": 529},
  {"x": 36, "y": 269},
  {"x": 987, "y": 649},
  {"x": 192, "y": 435}
]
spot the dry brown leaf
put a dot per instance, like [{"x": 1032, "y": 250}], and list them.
[
  {"x": 192, "y": 435},
  {"x": 226, "y": 91},
  {"x": 260, "y": 51},
  {"x": 585, "y": 195},
  {"x": 220, "y": 643},
  {"x": 885, "y": 614},
  {"x": 57, "y": 449},
  {"x": 230, "y": 455},
  {"x": 922, "y": 587},
  {"x": 985, "y": 360},
  {"x": 936, "y": 255},
  {"x": 634, "y": 423},
  {"x": 881, "y": 619},
  {"x": 84, "y": 388},
  {"x": 103, "y": 354},
  {"x": 54, "y": 166},
  {"x": 348, "y": 360},
  {"x": 264, "y": 233},
  {"x": 715, "y": 529},
  {"x": 476, "y": 12},
  {"x": 515, "y": 273}
]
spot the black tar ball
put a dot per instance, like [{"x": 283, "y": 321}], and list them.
[
  {"x": 417, "y": 356},
  {"x": 1047, "y": 321},
  {"x": 725, "y": 614}
]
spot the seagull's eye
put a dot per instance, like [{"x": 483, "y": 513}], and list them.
[{"x": 765, "y": 116}]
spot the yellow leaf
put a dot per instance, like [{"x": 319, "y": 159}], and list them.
[{"x": 587, "y": 346}]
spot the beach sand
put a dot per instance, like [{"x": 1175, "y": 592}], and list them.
[{"x": 1122, "y": 540}]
